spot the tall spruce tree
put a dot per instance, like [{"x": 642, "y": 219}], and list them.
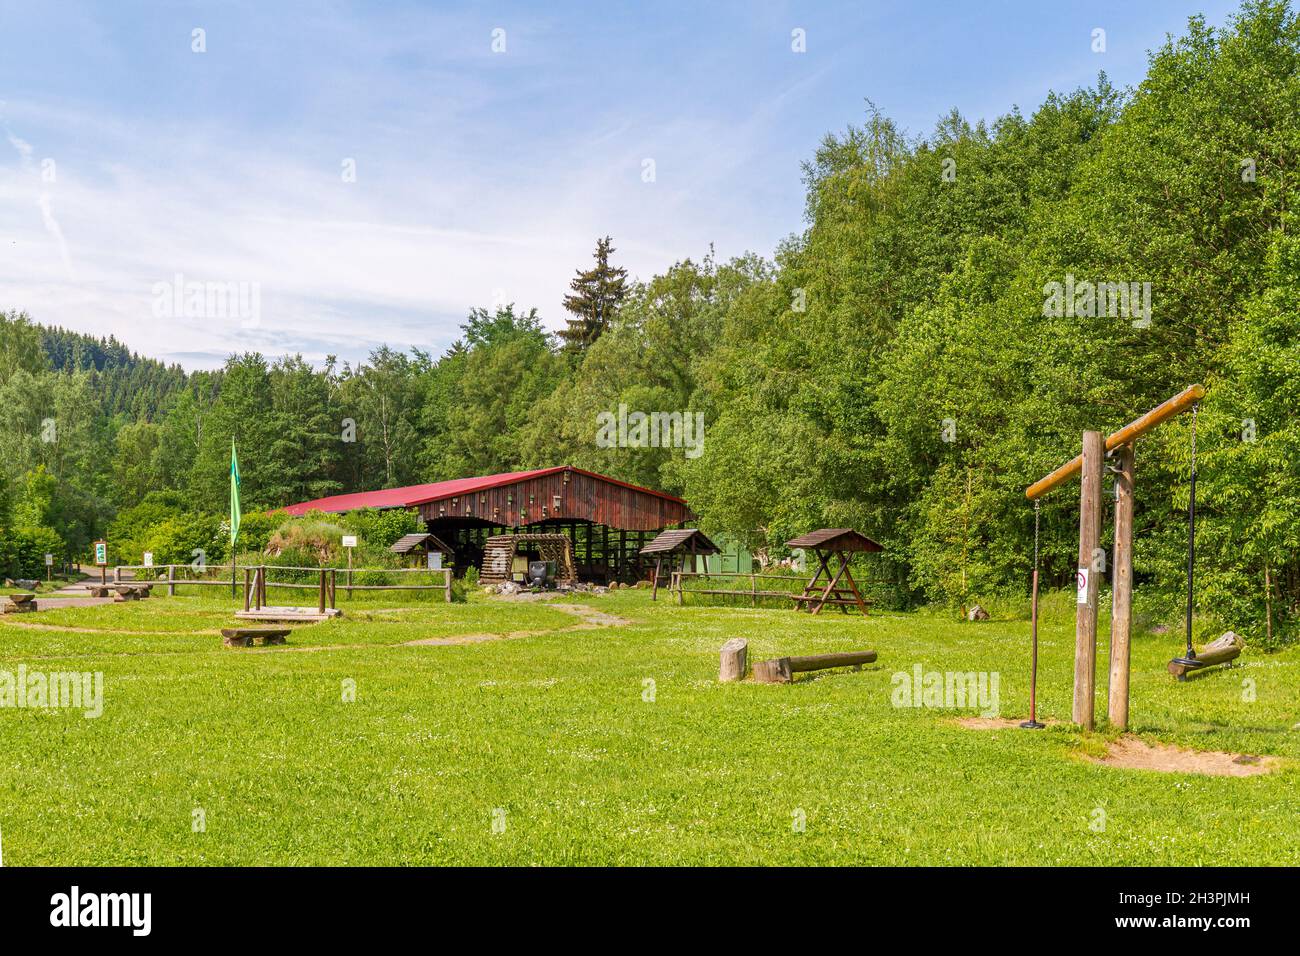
[{"x": 597, "y": 294}]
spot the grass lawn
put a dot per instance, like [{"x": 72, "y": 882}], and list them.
[{"x": 612, "y": 744}]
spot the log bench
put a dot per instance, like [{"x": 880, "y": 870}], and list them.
[
  {"x": 19, "y": 604},
  {"x": 781, "y": 670},
  {"x": 245, "y": 636}
]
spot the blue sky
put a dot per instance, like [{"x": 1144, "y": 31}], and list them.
[{"x": 480, "y": 177}]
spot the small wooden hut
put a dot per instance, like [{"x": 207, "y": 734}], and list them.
[
  {"x": 832, "y": 546},
  {"x": 416, "y": 548},
  {"x": 676, "y": 547}
]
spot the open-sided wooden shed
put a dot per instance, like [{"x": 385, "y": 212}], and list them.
[{"x": 607, "y": 521}]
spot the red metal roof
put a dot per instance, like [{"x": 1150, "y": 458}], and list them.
[{"x": 413, "y": 495}]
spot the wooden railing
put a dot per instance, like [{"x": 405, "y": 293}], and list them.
[
  {"x": 678, "y": 584},
  {"x": 325, "y": 585}
]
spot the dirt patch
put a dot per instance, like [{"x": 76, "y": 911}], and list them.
[
  {"x": 1132, "y": 754},
  {"x": 995, "y": 723},
  {"x": 467, "y": 639},
  {"x": 591, "y": 619},
  {"x": 590, "y": 616}
]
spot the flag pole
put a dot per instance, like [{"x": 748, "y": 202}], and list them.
[{"x": 235, "y": 514}]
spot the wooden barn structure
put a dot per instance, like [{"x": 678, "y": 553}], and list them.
[{"x": 608, "y": 521}]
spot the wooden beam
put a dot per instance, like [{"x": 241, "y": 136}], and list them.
[
  {"x": 1085, "y": 627},
  {"x": 1126, "y": 435},
  {"x": 1121, "y": 616}
]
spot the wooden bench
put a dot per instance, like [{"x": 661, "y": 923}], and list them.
[
  {"x": 19, "y": 604},
  {"x": 245, "y": 636},
  {"x": 129, "y": 592}
]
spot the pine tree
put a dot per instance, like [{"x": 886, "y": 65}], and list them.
[{"x": 597, "y": 294}]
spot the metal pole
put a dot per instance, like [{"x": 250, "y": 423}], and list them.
[
  {"x": 1032, "y": 723},
  {"x": 1191, "y": 538}
]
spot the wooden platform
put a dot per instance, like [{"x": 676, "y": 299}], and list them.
[{"x": 308, "y": 615}]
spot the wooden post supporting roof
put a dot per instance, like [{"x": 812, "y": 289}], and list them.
[{"x": 1126, "y": 435}]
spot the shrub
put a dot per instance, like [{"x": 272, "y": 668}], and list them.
[
  {"x": 184, "y": 539},
  {"x": 314, "y": 539},
  {"x": 24, "y": 549},
  {"x": 381, "y": 528}
]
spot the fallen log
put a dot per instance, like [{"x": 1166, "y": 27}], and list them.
[
  {"x": 781, "y": 670},
  {"x": 1226, "y": 648}
]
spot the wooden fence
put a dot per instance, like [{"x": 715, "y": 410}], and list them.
[
  {"x": 325, "y": 584},
  {"x": 678, "y": 585}
]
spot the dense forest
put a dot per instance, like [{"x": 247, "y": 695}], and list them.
[{"x": 905, "y": 365}]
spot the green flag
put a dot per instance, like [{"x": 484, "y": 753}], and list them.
[{"x": 235, "y": 513}]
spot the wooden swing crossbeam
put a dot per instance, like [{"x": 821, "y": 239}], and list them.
[
  {"x": 1091, "y": 466},
  {"x": 1126, "y": 435}
]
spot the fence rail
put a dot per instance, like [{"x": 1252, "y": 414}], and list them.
[
  {"x": 678, "y": 584},
  {"x": 326, "y": 584}
]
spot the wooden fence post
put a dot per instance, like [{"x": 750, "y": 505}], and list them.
[
  {"x": 1088, "y": 580},
  {"x": 171, "y": 580},
  {"x": 249, "y": 584},
  {"x": 1121, "y": 617},
  {"x": 446, "y": 575},
  {"x": 320, "y": 597}
]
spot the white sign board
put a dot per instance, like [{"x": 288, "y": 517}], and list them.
[
  {"x": 1082, "y": 582},
  {"x": 148, "y": 559},
  {"x": 49, "y": 560},
  {"x": 349, "y": 541},
  {"x": 101, "y": 552},
  {"x": 435, "y": 560}
]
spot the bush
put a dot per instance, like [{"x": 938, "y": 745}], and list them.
[
  {"x": 381, "y": 528},
  {"x": 255, "y": 529},
  {"x": 312, "y": 539},
  {"x": 23, "y": 551},
  {"x": 183, "y": 539}
]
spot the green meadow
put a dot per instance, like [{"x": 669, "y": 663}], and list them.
[{"x": 544, "y": 736}]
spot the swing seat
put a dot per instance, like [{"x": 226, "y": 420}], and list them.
[{"x": 1226, "y": 648}]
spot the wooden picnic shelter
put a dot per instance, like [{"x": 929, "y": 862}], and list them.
[
  {"x": 676, "y": 547},
  {"x": 834, "y": 549}
]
